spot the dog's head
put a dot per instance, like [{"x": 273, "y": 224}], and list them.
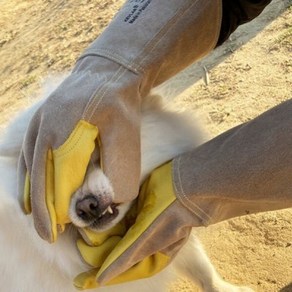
[{"x": 92, "y": 205}]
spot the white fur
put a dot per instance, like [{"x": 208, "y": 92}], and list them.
[{"x": 27, "y": 263}]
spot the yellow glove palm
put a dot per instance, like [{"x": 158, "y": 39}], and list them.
[
  {"x": 60, "y": 164},
  {"x": 107, "y": 249}
]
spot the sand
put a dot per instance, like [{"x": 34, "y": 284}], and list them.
[{"x": 248, "y": 75}]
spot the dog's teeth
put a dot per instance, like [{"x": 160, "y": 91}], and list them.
[
  {"x": 103, "y": 213},
  {"x": 110, "y": 210}
]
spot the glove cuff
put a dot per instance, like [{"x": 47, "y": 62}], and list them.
[
  {"x": 245, "y": 170},
  {"x": 158, "y": 39}
]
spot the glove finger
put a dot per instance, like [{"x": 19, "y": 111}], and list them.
[
  {"x": 23, "y": 184},
  {"x": 146, "y": 268},
  {"x": 33, "y": 163},
  {"x": 96, "y": 255},
  {"x": 114, "y": 108},
  {"x": 25, "y": 163},
  {"x": 42, "y": 192},
  {"x": 121, "y": 159},
  {"x": 30, "y": 140}
]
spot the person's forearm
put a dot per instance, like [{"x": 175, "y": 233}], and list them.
[
  {"x": 245, "y": 170},
  {"x": 157, "y": 38}
]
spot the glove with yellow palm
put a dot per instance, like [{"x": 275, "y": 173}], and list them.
[
  {"x": 155, "y": 203},
  {"x": 87, "y": 107},
  {"x": 145, "y": 44},
  {"x": 245, "y": 170}
]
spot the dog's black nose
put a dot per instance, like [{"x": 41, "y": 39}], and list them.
[{"x": 88, "y": 208}]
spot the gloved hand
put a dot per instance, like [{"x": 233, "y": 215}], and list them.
[
  {"x": 156, "y": 203},
  {"x": 89, "y": 106},
  {"x": 147, "y": 43},
  {"x": 245, "y": 170}
]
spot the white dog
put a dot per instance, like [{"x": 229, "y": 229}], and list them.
[{"x": 29, "y": 264}]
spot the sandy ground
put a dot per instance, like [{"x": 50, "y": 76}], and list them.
[{"x": 250, "y": 74}]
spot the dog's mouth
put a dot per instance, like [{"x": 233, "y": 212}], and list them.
[
  {"x": 96, "y": 214},
  {"x": 106, "y": 217}
]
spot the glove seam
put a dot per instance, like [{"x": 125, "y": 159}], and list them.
[
  {"x": 151, "y": 44},
  {"x": 136, "y": 65},
  {"x": 183, "y": 198},
  {"x": 113, "y": 56},
  {"x": 100, "y": 92},
  {"x": 60, "y": 152},
  {"x": 160, "y": 35}
]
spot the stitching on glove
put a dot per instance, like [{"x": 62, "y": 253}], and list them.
[
  {"x": 166, "y": 28},
  {"x": 118, "y": 75},
  {"x": 135, "y": 65},
  {"x": 151, "y": 44},
  {"x": 100, "y": 92},
  {"x": 113, "y": 56},
  {"x": 183, "y": 197},
  {"x": 62, "y": 150},
  {"x": 158, "y": 37}
]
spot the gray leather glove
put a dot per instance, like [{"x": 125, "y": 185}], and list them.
[
  {"x": 146, "y": 43},
  {"x": 245, "y": 170}
]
